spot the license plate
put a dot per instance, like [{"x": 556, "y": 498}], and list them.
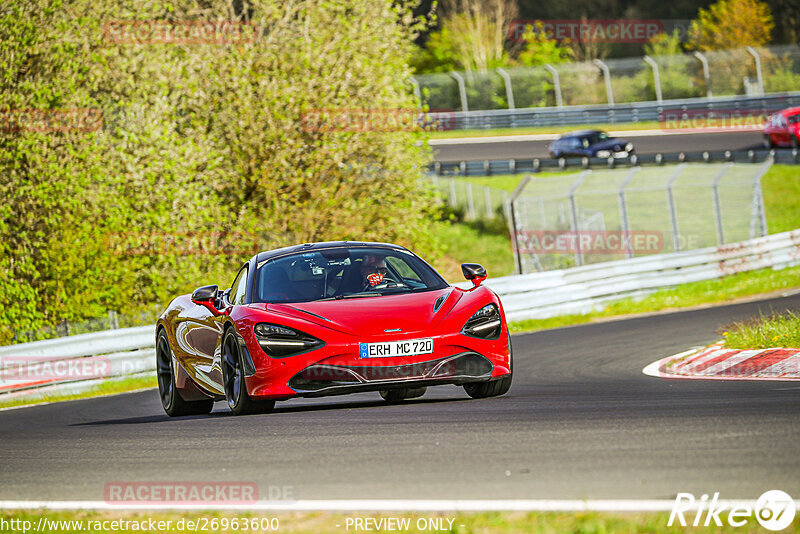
[{"x": 389, "y": 349}]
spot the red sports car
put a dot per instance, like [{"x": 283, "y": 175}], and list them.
[
  {"x": 783, "y": 129},
  {"x": 327, "y": 319}
]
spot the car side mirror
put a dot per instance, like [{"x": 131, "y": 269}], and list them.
[
  {"x": 474, "y": 272},
  {"x": 207, "y": 296}
]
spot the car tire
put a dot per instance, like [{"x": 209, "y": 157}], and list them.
[
  {"x": 496, "y": 387},
  {"x": 171, "y": 398},
  {"x": 233, "y": 382},
  {"x": 397, "y": 395},
  {"x": 795, "y": 142},
  {"x": 768, "y": 143}
]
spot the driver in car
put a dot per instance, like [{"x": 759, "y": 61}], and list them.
[{"x": 373, "y": 271}]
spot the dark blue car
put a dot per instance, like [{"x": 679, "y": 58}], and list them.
[{"x": 590, "y": 143}]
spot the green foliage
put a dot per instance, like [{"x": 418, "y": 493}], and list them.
[
  {"x": 197, "y": 139},
  {"x": 538, "y": 49},
  {"x": 731, "y": 24}
]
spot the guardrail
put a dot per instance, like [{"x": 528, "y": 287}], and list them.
[
  {"x": 532, "y": 165},
  {"x": 76, "y": 363},
  {"x": 130, "y": 351},
  {"x": 590, "y": 287},
  {"x": 619, "y": 113}
]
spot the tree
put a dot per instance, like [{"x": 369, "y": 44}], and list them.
[
  {"x": 197, "y": 139},
  {"x": 731, "y": 24},
  {"x": 471, "y": 35},
  {"x": 538, "y": 49}
]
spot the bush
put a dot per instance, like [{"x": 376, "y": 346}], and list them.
[{"x": 196, "y": 138}]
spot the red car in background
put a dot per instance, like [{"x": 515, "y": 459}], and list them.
[
  {"x": 782, "y": 129},
  {"x": 328, "y": 319}
]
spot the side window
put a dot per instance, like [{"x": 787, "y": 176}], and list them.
[
  {"x": 239, "y": 287},
  {"x": 403, "y": 269}
]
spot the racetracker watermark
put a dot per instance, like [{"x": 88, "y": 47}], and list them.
[
  {"x": 590, "y": 242},
  {"x": 15, "y": 369},
  {"x": 51, "y": 120},
  {"x": 192, "y": 493},
  {"x": 182, "y": 32},
  {"x": 209, "y": 243},
  {"x": 774, "y": 510},
  {"x": 375, "y": 120},
  {"x": 594, "y": 31},
  {"x": 722, "y": 119}
]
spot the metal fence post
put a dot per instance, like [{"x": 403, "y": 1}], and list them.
[
  {"x": 706, "y": 72},
  {"x": 512, "y": 220},
  {"x": 607, "y": 75},
  {"x": 717, "y": 206},
  {"x": 759, "y": 77},
  {"x": 656, "y": 76},
  {"x": 462, "y": 90},
  {"x": 453, "y": 201},
  {"x": 758, "y": 216},
  {"x": 487, "y": 198},
  {"x": 507, "y": 81},
  {"x": 556, "y": 84},
  {"x": 673, "y": 212},
  {"x": 573, "y": 205},
  {"x": 623, "y": 211},
  {"x": 417, "y": 92},
  {"x": 470, "y": 202}
]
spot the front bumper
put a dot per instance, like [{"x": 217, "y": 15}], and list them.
[{"x": 337, "y": 368}]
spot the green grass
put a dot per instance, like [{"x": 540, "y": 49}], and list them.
[
  {"x": 111, "y": 387},
  {"x": 463, "y": 523},
  {"x": 463, "y": 243},
  {"x": 687, "y": 295},
  {"x": 781, "y": 188},
  {"x": 765, "y": 331},
  {"x": 497, "y": 132}
]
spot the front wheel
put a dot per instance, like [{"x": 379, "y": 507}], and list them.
[
  {"x": 492, "y": 388},
  {"x": 171, "y": 398},
  {"x": 768, "y": 142},
  {"x": 239, "y": 401}
]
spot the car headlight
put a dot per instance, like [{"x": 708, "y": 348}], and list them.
[
  {"x": 485, "y": 323},
  {"x": 603, "y": 153},
  {"x": 629, "y": 147},
  {"x": 281, "y": 341}
]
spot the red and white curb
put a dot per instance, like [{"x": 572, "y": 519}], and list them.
[{"x": 716, "y": 362}]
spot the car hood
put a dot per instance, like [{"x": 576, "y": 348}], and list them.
[
  {"x": 412, "y": 312},
  {"x": 610, "y": 144}
]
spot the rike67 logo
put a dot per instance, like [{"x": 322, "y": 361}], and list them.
[{"x": 774, "y": 510}]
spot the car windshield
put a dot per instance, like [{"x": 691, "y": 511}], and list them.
[{"x": 342, "y": 272}]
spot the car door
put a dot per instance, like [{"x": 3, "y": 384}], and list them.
[{"x": 207, "y": 336}]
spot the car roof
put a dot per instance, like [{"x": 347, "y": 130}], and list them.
[
  {"x": 266, "y": 255},
  {"x": 788, "y": 112},
  {"x": 580, "y": 133}
]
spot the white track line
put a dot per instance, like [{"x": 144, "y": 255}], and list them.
[{"x": 543, "y": 505}]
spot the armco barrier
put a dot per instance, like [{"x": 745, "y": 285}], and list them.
[
  {"x": 28, "y": 368},
  {"x": 587, "y": 288},
  {"x": 616, "y": 114},
  {"x": 537, "y": 295},
  {"x": 787, "y": 156}
]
